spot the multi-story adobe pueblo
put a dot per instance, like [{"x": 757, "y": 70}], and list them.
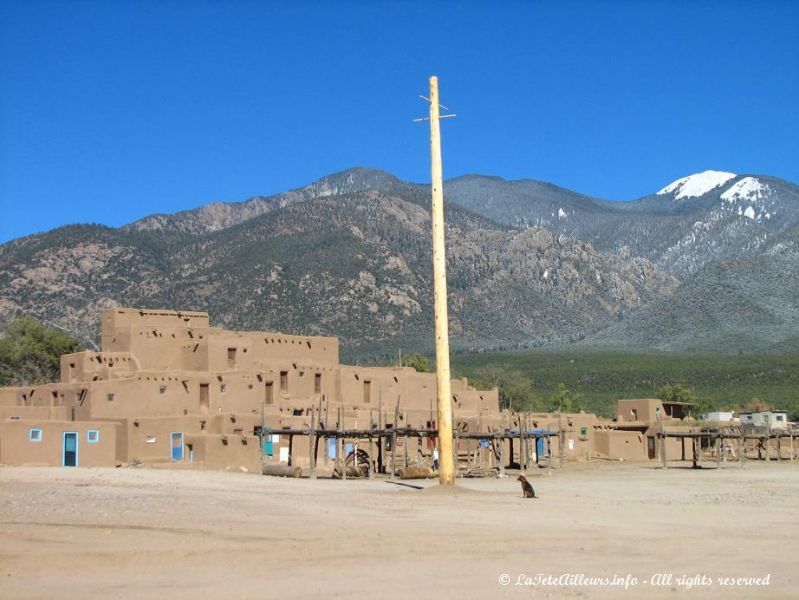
[{"x": 167, "y": 389}]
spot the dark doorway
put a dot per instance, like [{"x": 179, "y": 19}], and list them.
[
  {"x": 269, "y": 397},
  {"x": 204, "y": 397},
  {"x": 367, "y": 392}
]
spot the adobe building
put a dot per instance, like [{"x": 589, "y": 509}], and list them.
[
  {"x": 168, "y": 390},
  {"x": 633, "y": 435}
]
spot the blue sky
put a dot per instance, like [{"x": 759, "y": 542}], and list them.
[{"x": 110, "y": 111}]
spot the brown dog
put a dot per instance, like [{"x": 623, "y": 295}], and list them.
[{"x": 527, "y": 489}]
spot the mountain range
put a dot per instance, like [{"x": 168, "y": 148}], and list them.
[{"x": 710, "y": 263}]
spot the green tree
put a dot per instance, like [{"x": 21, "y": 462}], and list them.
[
  {"x": 679, "y": 392},
  {"x": 516, "y": 389},
  {"x": 516, "y": 392},
  {"x": 564, "y": 400},
  {"x": 30, "y": 352},
  {"x": 418, "y": 361},
  {"x": 676, "y": 392}
]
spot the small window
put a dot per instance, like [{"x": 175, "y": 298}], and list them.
[
  {"x": 92, "y": 436},
  {"x": 110, "y": 397},
  {"x": 583, "y": 433},
  {"x": 162, "y": 389},
  {"x": 317, "y": 383},
  {"x": 780, "y": 417},
  {"x": 222, "y": 387},
  {"x": 35, "y": 435},
  {"x": 151, "y": 439}
]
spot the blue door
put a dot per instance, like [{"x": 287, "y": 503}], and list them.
[
  {"x": 331, "y": 447},
  {"x": 177, "y": 446},
  {"x": 69, "y": 456},
  {"x": 539, "y": 448}
]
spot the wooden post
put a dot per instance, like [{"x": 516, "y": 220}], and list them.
[
  {"x": 327, "y": 426},
  {"x": 457, "y": 450},
  {"x": 446, "y": 473},
  {"x": 718, "y": 452},
  {"x": 263, "y": 427},
  {"x": 724, "y": 449},
  {"x": 793, "y": 455},
  {"x": 549, "y": 453},
  {"x": 662, "y": 435},
  {"x": 312, "y": 442},
  {"x": 501, "y": 456},
  {"x": 371, "y": 459},
  {"x": 698, "y": 448},
  {"x": 340, "y": 465},
  {"x": 405, "y": 449},
  {"x": 381, "y": 441},
  {"x": 779, "y": 448},
  {"x": 393, "y": 452},
  {"x": 741, "y": 448}
]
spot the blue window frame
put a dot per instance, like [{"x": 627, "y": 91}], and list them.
[
  {"x": 92, "y": 436},
  {"x": 35, "y": 435}
]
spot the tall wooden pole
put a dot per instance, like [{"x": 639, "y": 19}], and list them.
[{"x": 446, "y": 473}]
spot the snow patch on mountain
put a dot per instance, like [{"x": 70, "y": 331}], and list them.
[
  {"x": 697, "y": 185},
  {"x": 747, "y": 188},
  {"x": 561, "y": 213}
]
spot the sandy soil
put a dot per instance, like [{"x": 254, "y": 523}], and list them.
[{"x": 136, "y": 533}]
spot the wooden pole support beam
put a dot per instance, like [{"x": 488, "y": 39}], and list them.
[{"x": 446, "y": 473}]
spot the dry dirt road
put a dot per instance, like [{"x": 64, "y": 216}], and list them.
[{"x": 136, "y": 533}]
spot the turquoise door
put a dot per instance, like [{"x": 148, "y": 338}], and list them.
[
  {"x": 69, "y": 455},
  {"x": 177, "y": 446}
]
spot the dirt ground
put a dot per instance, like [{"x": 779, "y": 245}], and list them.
[{"x": 139, "y": 533}]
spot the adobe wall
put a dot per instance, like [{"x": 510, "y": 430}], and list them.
[
  {"x": 11, "y": 396},
  {"x": 147, "y": 394},
  {"x": 618, "y": 444},
  {"x": 55, "y": 413},
  {"x": 162, "y": 347},
  {"x": 120, "y": 318},
  {"x": 93, "y": 366},
  {"x": 639, "y": 410},
  {"x": 232, "y": 452},
  {"x": 214, "y": 442},
  {"x": 184, "y": 340},
  {"x": 16, "y": 447},
  {"x": 416, "y": 393},
  {"x": 48, "y": 394},
  {"x": 257, "y": 350}
]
